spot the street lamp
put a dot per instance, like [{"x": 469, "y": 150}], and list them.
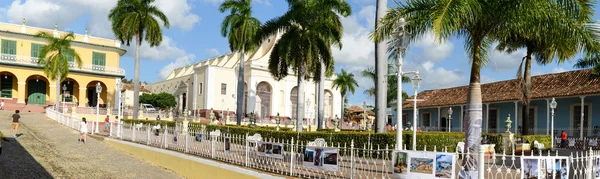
[
  {"x": 450, "y": 119},
  {"x": 416, "y": 82},
  {"x": 98, "y": 90},
  {"x": 552, "y": 106},
  {"x": 119, "y": 86},
  {"x": 399, "y": 35},
  {"x": 64, "y": 92}
]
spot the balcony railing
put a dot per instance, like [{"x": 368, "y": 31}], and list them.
[{"x": 32, "y": 61}]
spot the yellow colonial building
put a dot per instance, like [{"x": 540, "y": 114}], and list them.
[{"x": 23, "y": 82}]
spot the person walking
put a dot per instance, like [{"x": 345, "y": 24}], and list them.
[
  {"x": 4, "y": 139},
  {"x": 106, "y": 123},
  {"x": 83, "y": 130},
  {"x": 15, "y": 123},
  {"x": 563, "y": 139}
]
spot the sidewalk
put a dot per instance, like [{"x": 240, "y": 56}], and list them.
[{"x": 49, "y": 150}]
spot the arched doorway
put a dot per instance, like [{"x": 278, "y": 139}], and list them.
[
  {"x": 328, "y": 104},
  {"x": 37, "y": 88},
  {"x": 294, "y": 100},
  {"x": 264, "y": 93},
  {"x": 70, "y": 94},
  {"x": 8, "y": 85}
]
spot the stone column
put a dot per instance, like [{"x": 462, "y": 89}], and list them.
[
  {"x": 81, "y": 97},
  {"x": 52, "y": 95},
  {"x": 21, "y": 92}
]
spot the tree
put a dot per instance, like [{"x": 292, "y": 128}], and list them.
[
  {"x": 162, "y": 100},
  {"x": 392, "y": 85},
  {"x": 137, "y": 18},
  {"x": 309, "y": 29},
  {"x": 380, "y": 70},
  {"x": 474, "y": 20},
  {"x": 550, "y": 30},
  {"x": 240, "y": 28},
  {"x": 591, "y": 60},
  {"x": 54, "y": 57},
  {"x": 345, "y": 82}
]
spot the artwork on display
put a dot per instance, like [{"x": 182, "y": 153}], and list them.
[
  {"x": 198, "y": 137},
  {"x": 422, "y": 164},
  {"x": 544, "y": 167},
  {"x": 269, "y": 149},
  {"x": 597, "y": 167},
  {"x": 325, "y": 158},
  {"x": 227, "y": 144}
]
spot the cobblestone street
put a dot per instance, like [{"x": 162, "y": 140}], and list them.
[{"x": 49, "y": 150}]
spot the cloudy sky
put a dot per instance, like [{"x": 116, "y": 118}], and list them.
[{"x": 194, "y": 36}]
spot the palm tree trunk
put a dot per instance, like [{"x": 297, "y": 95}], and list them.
[
  {"x": 136, "y": 78},
  {"x": 320, "y": 94},
  {"x": 527, "y": 95},
  {"x": 300, "y": 106},
  {"x": 472, "y": 124},
  {"x": 240, "y": 89},
  {"x": 343, "y": 106},
  {"x": 57, "y": 101},
  {"x": 381, "y": 71}
]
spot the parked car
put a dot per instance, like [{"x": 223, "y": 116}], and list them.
[{"x": 147, "y": 108}]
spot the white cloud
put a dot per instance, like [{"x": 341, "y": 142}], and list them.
[
  {"x": 46, "y": 13},
  {"x": 167, "y": 50},
  {"x": 557, "y": 70},
  {"x": 218, "y": 2},
  {"x": 434, "y": 51},
  {"x": 179, "y": 62},
  {"x": 212, "y": 52},
  {"x": 502, "y": 62}
]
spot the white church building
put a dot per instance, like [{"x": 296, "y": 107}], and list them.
[{"x": 212, "y": 84}]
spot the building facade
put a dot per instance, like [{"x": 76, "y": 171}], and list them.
[
  {"x": 23, "y": 82},
  {"x": 212, "y": 84},
  {"x": 572, "y": 90}
]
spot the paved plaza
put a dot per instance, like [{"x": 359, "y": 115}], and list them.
[{"x": 49, "y": 150}]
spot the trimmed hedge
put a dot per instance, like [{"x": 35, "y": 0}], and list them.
[{"x": 442, "y": 140}]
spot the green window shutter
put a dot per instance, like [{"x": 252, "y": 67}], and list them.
[
  {"x": 6, "y": 87},
  {"x": 36, "y": 49},
  {"x": 70, "y": 58},
  {"x": 99, "y": 59},
  {"x": 9, "y": 47}
]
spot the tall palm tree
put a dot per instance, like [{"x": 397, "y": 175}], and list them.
[
  {"x": 380, "y": 71},
  {"x": 54, "y": 58},
  {"x": 240, "y": 28},
  {"x": 345, "y": 82},
  {"x": 591, "y": 60},
  {"x": 392, "y": 85},
  {"x": 562, "y": 41},
  {"x": 309, "y": 29},
  {"x": 137, "y": 18}
]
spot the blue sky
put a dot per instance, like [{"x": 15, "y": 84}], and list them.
[{"x": 194, "y": 36}]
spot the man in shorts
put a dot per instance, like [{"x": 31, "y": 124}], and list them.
[
  {"x": 4, "y": 139},
  {"x": 15, "y": 123}
]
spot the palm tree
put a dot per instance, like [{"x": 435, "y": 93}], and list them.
[
  {"x": 54, "y": 58},
  {"x": 137, "y": 18},
  {"x": 240, "y": 28},
  {"x": 392, "y": 85},
  {"x": 345, "y": 82},
  {"x": 562, "y": 41},
  {"x": 309, "y": 29},
  {"x": 380, "y": 71},
  {"x": 591, "y": 60}
]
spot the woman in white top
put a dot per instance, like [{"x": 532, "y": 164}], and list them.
[{"x": 83, "y": 129}]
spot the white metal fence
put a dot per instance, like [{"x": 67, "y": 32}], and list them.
[{"x": 352, "y": 161}]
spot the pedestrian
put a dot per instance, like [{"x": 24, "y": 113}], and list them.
[
  {"x": 158, "y": 117},
  {"x": 15, "y": 123},
  {"x": 4, "y": 139},
  {"x": 563, "y": 139},
  {"x": 83, "y": 129},
  {"x": 2, "y": 105},
  {"x": 106, "y": 123}
]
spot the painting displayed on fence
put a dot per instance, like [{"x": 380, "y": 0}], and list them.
[
  {"x": 544, "y": 167},
  {"x": 269, "y": 149},
  {"x": 325, "y": 158},
  {"x": 227, "y": 144},
  {"x": 198, "y": 137},
  {"x": 597, "y": 167},
  {"x": 420, "y": 164}
]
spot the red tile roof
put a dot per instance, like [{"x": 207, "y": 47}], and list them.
[{"x": 571, "y": 83}]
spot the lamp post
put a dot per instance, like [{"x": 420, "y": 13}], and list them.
[
  {"x": 64, "y": 92},
  {"x": 416, "y": 82},
  {"x": 552, "y": 106},
  {"x": 98, "y": 90},
  {"x": 119, "y": 86},
  {"x": 365, "y": 115},
  {"x": 399, "y": 36},
  {"x": 450, "y": 119}
]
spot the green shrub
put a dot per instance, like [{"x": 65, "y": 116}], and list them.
[{"x": 544, "y": 139}]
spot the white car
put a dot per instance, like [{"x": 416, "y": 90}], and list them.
[{"x": 147, "y": 108}]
